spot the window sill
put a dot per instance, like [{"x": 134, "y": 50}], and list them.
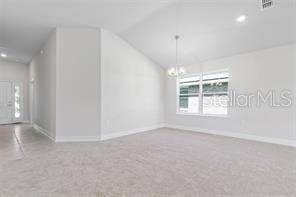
[{"x": 202, "y": 115}]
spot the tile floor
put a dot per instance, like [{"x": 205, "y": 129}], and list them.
[{"x": 14, "y": 137}]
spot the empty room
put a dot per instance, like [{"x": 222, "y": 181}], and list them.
[{"x": 148, "y": 98}]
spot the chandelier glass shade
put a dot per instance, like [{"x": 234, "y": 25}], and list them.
[{"x": 176, "y": 71}]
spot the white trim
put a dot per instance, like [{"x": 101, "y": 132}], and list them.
[
  {"x": 279, "y": 141},
  {"x": 66, "y": 138},
  {"x": 7, "y": 122},
  {"x": 14, "y": 122},
  {"x": 130, "y": 132},
  {"x": 202, "y": 115},
  {"x": 77, "y": 139},
  {"x": 43, "y": 131}
]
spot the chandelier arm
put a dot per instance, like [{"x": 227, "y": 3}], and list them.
[
  {"x": 177, "y": 37},
  {"x": 176, "y": 52}
]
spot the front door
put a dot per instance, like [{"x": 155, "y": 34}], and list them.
[
  {"x": 11, "y": 108},
  {"x": 6, "y": 103}
]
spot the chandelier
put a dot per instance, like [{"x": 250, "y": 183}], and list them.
[{"x": 176, "y": 70}]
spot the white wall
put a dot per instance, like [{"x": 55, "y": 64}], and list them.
[
  {"x": 17, "y": 72},
  {"x": 90, "y": 82},
  {"x": 43, "y": 71},
  {"x": 270, "y": 69},
  {"x": 78, "y": 87},
  {"x": 132, "y": 87}
]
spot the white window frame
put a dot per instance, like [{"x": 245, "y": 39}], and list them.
[{"x": 200, "y": 111}]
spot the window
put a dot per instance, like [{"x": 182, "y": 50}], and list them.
[
  {"x": 205, "y": 93},
  {"x": 189, "y": 90}
]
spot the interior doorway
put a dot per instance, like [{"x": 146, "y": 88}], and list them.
[{"x": 11, "y": 102}]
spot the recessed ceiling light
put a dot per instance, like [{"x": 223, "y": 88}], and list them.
[
  {"x": 3, "y": 55},
  {"x": 241, "y": 18}
]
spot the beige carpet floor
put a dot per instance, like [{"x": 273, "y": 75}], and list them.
[{"x": 163, "y": 162}]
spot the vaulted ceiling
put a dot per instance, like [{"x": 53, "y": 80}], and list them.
[{"x": 208, "y": 28}]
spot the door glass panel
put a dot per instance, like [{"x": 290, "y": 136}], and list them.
[{"x": 17, "y": 102}]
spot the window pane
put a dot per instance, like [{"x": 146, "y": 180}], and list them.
[
  {"x": 215, "y": 93},
  {"x": 189, "y": 104},
  {"x": 189, "y": 89},
  {"x": 189, "y": 94},
  {"x": 189, "y": 85},
  {"x": 215, "y": 104}
]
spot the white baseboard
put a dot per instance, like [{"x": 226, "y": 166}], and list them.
[
  {"x": 105, "y": 136},
  {"x": 129, "y": 132},
  {"x": 14, "y": 122},
  {"x": 236, "y": 135},
  {"x": 77, "y": 138},
  {"x": 43, "y": 131}
]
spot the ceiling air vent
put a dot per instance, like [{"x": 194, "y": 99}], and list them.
[{"x": 264, "y": 4}]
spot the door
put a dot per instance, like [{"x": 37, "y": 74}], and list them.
[
  {"x": 6, "y": 103},
  {"x": 11, "y": 103}
]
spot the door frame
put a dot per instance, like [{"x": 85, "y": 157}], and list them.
[{"x": 13, "y": 119}]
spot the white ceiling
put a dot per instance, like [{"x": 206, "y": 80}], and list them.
[{"x": 208, "y": 28}]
